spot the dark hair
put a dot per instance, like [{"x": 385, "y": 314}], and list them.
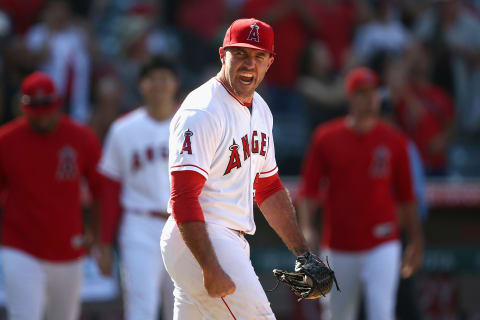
[{"x": 156, "y": 63}]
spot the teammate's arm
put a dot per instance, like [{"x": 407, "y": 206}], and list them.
[
  {"x": 111, "y": 170},
  {"x": 186, "y": 187},
  {"x": 413, "y": 253}
]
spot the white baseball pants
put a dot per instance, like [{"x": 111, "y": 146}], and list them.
[
  {"x": 35, "y": 287},
  {"x": 143, "y": 273},
  {"x": 191, "y": 299},
  {"x": 375, "y": 273}
]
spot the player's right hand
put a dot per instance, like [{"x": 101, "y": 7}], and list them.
[
  {"x": 104, "y": 256},
  {"x": 217, "y": 283}
]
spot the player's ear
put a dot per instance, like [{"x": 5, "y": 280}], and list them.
[
  {"x": 144, "y": 86},
  {"x": 221, "y": 52},
  {"x": 270, "y": 60}
]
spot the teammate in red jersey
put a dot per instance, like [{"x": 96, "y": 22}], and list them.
[
  {"x": 43, "y": 157},
  {"x": 361, "y": 165}
]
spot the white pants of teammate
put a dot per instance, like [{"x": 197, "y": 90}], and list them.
[
  {"x": 191, "y": 299},
  {"x": 35, "y": 287},
  {"x": 374, "y": 272},
  {"x": 142, "y": 270}
]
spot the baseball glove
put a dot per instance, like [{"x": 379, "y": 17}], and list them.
[{"x": 312, "y": 278}]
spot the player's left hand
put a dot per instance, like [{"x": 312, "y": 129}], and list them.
[{"x": 412, "y": 259}]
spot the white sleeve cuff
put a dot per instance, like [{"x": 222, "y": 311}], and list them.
[
  {"x": 269, "y": 173},
  {"x": 189, "y": 167}
]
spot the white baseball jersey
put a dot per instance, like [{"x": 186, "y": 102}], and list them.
[
  {"x": 230, "y": 145},
  {"x": 136, "y": 154}
]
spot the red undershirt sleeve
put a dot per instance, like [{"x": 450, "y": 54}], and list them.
[
  {"x": 265, "y": 187},
  {"x": 110, "y": 209},
  {"x": 186, "y": 188}
]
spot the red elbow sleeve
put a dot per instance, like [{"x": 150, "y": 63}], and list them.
[
  {"x": 265, "y": 187},
  {"x": 186, "y": 188}
]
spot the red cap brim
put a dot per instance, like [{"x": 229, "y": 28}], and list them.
[{"x": 248, "y": 45}]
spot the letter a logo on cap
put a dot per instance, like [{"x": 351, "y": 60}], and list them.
[{"x": 253, "y": 35}]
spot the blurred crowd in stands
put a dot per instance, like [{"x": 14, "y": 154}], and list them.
[{"x": 426, "y": 52}]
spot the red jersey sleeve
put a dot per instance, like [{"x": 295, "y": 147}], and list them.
[
  {"x": 403, "y": 184},
  {"x": 313, "y": 168},
  {"x": 186, "y": 187},
  {"x": 3, "y": 178},
  {"x": 110, "y": 208},
  {"x": 265, "y": 187}
]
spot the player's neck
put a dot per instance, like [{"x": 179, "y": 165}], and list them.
[
  {"x": 361, "y": 123},
  {"x": 160, "y": 112},
  {"x": 243, "y": 100}
]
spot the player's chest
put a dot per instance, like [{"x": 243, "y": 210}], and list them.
[
  {"x": 373, "y": 159},
  {"x": 57, "y": 162},
  {"x": 246, "y": 143}
]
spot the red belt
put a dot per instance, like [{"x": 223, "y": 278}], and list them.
[
  {"x": 239, "y": 232},
  {"x": 155, "y": 214}
]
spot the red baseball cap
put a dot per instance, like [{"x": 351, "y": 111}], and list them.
[
  {"x": 250, "y": 33},
  {"x": 39, "y": 95},
  {"x": 359, "y": 79}
]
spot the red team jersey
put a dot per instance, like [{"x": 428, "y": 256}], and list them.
[
  {"x": 41, "y": 174},
  {"x": 366, "y": 175}
]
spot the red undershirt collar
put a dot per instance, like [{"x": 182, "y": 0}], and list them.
[{"x": 249, "y": 104}]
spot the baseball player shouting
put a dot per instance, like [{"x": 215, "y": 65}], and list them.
[
  {"x": 221, "y": 156},
  {"x": 135, "y": 166},
  {"x": 43, "y": 157},
  {"x": 363, "y": 163}
]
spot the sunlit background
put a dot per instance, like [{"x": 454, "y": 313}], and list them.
[{"x": 427, "y": 54}]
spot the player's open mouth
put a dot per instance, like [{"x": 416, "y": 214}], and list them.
[{"x": 246, "y": 78}]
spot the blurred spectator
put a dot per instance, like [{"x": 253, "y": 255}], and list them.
[
  {"x": 321, "y": 87},
  {"x": 453, "y": 33},
  {"x": 334, "y": 25},
  {"x": 5, "y": 29},
  {"x": 22, "y": 13},
  {"x": 16, "y": 63},
  {"x": 133, "y": 33},
  {"x": 61, "y": 51},
  {"x": 384, "y": 33},
  {"x": 141, "y": 34},
  {"x": 43, "y": 158},
  {"x": 292, "y": 24},
  {"x": 410, "y": 10},
  {"x": 424, "y": 111},
  {"x": 108, "y": 96},
  {"x": 201, "y": 38}
]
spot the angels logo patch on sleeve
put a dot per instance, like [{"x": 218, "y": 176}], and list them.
[{"x": 187, "y": 143}]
